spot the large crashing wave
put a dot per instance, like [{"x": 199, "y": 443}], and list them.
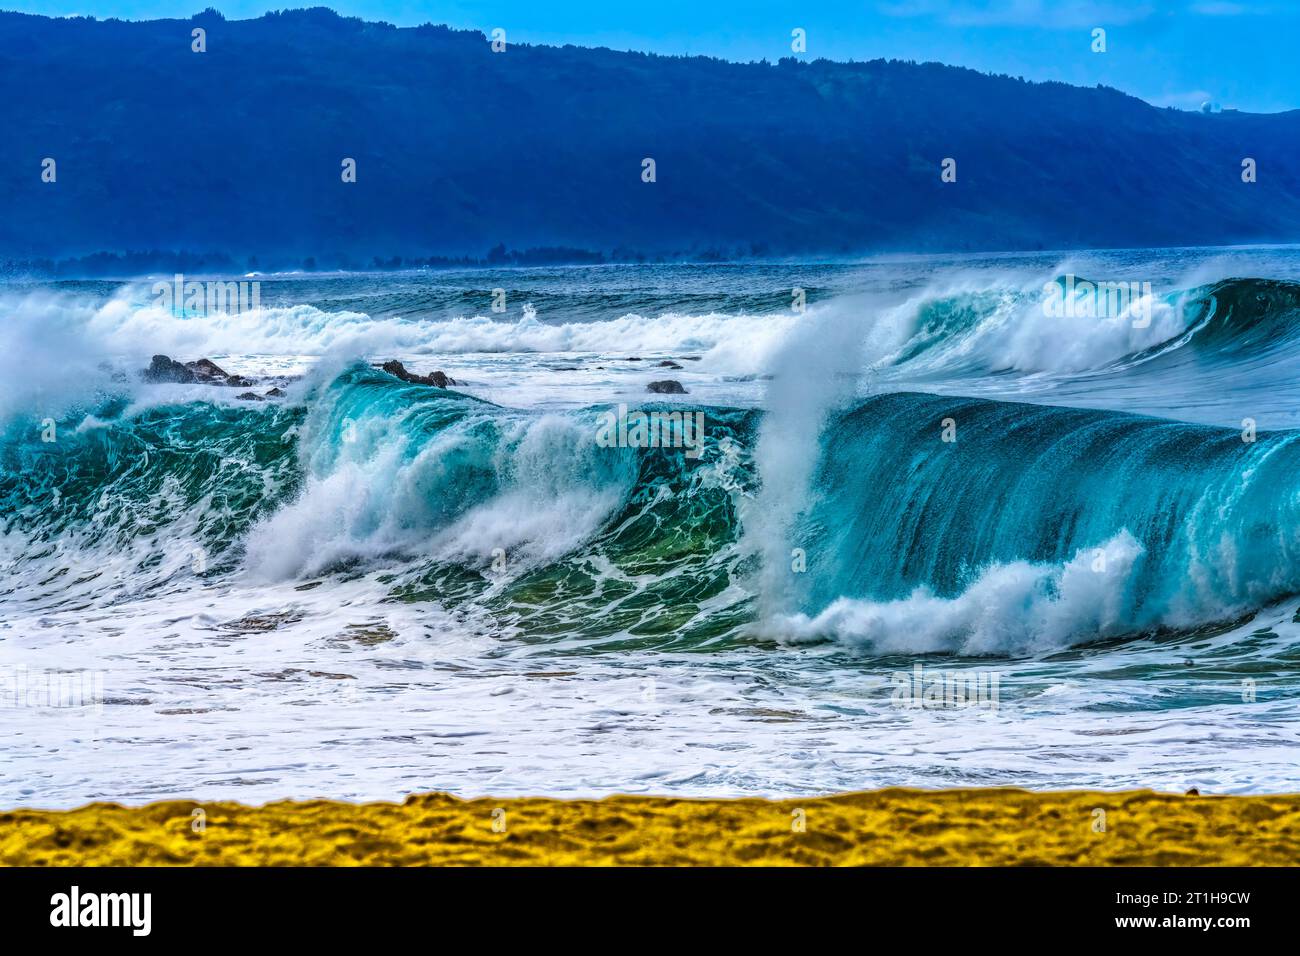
[
  {"x": 404, "y": 469},
  {"x": 1038, "y": 527},
  {"x": 460, "y": 499}
]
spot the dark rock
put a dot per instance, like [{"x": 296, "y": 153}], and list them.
[
  {"x": 667, "y": 363},
  {"x": 250, "y": 397},
  {"x": 398, "y": 370},
  {"x": 200, "y": 372},
  {"x": 1193, "y": 792},
  {"x": 206, "y": 370},
  {"x": 633, "y": 359},
  {"x": 210, "y": 373},
  {"x": 276, "y": 392},
  {"x": 165, "y": 369},
  {"x": 666, "y": 387}
]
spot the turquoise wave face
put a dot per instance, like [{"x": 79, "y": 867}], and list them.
[
  {"x": 1209, "y": 519},
  {"x": 105, "y": 502},
  {"x": 1236, "y": 317}
]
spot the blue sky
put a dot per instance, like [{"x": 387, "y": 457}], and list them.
[{"x": 1169, "y": 52}]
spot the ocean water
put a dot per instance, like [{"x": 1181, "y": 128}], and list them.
[{"x": 933, "y": 532}]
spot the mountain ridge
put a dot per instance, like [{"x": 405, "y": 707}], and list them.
[{"x": 459, "y": 149}]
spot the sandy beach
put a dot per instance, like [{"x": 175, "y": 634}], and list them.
[{"x": 896, "y": 827}]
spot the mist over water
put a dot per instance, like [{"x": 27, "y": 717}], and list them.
[{"x": 368, "y": 587}]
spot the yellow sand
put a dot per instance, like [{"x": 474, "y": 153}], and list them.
[{"x": 887, "y": 827}]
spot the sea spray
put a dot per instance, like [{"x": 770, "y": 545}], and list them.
[
  {"x": 51, "y": 356},
  {"x": 818, "y": 370}
]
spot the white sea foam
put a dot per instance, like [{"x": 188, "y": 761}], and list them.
[
  {"x": 53, "y": 344},
  {"x": 737, "y": 342},
  {"x": 1010, "y": 609}
]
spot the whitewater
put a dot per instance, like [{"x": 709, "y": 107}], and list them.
[{"x": 367, "y": 587}]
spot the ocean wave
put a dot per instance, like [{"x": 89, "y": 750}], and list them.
[
  {"x": 925, "y": 492},
  {"x": 1036, "y": 527},
  {"x": 60, "y": 348},
  {"x": 408, "y": 470},
  {"x": 1009, "y": 330},
  {"x": 113, "y": 502}
]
